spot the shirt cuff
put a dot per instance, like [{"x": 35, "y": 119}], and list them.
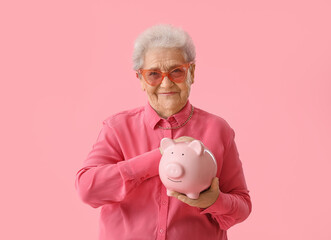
[
  {"x": 141, "y": 167},
  {"x": 222, "y": 205}
]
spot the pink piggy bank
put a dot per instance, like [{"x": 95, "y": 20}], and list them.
[{"x": 186, "y": 167}]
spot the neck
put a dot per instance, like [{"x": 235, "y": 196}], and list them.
[{"x": 165, "y": 113}]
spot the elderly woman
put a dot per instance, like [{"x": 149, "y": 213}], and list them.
[{"x": 120, "y": 173}]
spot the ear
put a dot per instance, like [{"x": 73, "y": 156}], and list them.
[
  {"x": 166, "y": 142},
  {"x": 197, "y": 146},
  {"x": 192, "y": 72},
  {"x": 142, "y": 84}
]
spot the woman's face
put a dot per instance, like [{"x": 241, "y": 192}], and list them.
[{"x": 168, "y": 97}]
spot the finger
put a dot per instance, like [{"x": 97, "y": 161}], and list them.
[
  {"x": 180, "y": 139},
  {"x": 183, "y": 198},
  {"x": 174, "y": 194},
  {"x": 187, "y": 200},
  {"x": 184, "y": 139}
]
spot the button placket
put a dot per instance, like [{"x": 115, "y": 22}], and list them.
[
  {"x": 163, "y": 214},
  {"x": 167, "y": 132}
]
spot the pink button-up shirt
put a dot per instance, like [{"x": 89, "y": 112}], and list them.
[{"x": 120, "y": 174}]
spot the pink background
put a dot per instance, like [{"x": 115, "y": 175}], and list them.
[{"x": 264, "y": 66}]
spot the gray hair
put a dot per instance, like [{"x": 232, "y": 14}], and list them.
[{"x": 162, "y": 36}]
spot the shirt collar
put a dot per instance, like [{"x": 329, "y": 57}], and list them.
[{"x": 152, "y": 118}]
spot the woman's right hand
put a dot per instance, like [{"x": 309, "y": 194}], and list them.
[
  {"x": 184, "y": 139},
  {"x": 180, "y": 139}
]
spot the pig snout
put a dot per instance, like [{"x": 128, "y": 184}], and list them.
[{"x": 174, "y": 170}]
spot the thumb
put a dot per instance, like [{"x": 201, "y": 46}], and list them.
[{"x": 215, "y": 183}]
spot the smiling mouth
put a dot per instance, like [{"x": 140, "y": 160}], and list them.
[
  {"x": 168, "y": 93},
  {"x": 174, "y": 180}
]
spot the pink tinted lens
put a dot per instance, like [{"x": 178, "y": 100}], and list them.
[
  {"x": 153, "y": 77},
  {"x": 178, "y": 74}
]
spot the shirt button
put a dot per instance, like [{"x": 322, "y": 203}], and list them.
[
  {"x": 161, "y": 230},
  {"x": 164, "y": 202}
]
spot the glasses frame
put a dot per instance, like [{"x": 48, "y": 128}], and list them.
[{"x": 163, "y": 74}]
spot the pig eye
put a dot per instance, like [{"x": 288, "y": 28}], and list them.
[
  {"x": 182, "y": 154},
  {"x": 172, "y": 152}
]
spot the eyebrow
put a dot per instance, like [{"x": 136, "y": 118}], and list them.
[{"x": 169, "y": 68}]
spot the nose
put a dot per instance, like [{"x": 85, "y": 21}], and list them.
[
  {"x": 174, "y": 170},
  {"x": 166, "y": 82}
]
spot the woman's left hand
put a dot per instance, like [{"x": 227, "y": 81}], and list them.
[{"x": 206, "y": 198}]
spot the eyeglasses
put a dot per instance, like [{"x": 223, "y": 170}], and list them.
[{"x": 154, "y": 77}]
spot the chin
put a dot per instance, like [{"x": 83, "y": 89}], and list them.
[{"x": 172, "y": 104}]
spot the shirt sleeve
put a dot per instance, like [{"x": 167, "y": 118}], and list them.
[
  {"x": 233, "y": 204},
  {"x": 106, "y": 177}
]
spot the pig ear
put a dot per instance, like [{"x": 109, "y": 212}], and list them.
[
  {"x": 166, "y": 142},
  {"x": 197, "y": 146}
]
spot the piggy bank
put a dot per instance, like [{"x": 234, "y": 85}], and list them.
[{"x": 186, "y": 167}]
